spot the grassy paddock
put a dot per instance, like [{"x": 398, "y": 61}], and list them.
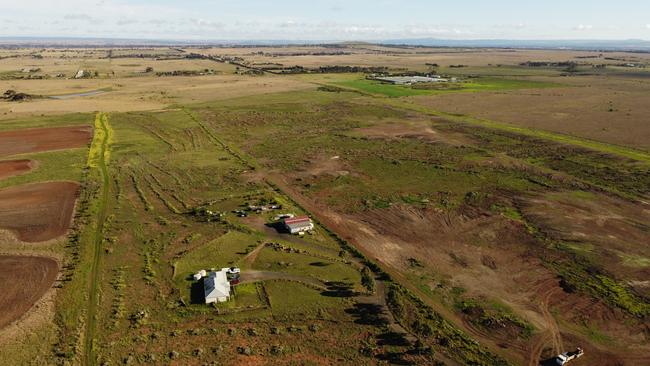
[
  {"x": 47, "y": 121},
  {"x": 622, "y": 151},
  {"x": 470, "y": 86}
]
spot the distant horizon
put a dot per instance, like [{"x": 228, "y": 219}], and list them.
[{"x": 578, "y": 44}]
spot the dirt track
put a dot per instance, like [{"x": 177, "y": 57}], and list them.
[
  {"x": 23, "y": 281},
  {"x": 43, "y": 139},
  {"x": 9, "y": 168},
  {"x": 38, "y": 212}
]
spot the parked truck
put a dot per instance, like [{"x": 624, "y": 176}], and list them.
[{"x": 565, "y": 357}]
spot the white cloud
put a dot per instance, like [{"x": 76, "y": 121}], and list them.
[
  {"x": 84, "y": 17},
  {"x": 647, "y": 26},
  {"x": 125, "y": 21},
  {"x": 583, "y": 27},
  {"x": 203, "y": 24}
]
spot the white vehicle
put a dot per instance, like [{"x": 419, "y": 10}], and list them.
[{"x": 565, "y": 357}]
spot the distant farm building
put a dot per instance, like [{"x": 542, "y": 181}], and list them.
[
  {"x": 408, "y": 80},
  {"x": 297, "y": 225},
  {"x": 80, "y": 74}
]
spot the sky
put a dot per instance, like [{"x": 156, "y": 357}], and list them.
[{"x": 333, "y": 20}]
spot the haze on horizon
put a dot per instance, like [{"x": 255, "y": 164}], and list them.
[{"x": 326, "y": 20}]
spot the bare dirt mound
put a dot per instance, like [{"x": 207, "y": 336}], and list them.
[
  {"x": 413, "y": 129},
  {"x": 9, "y": 168},
  {"x": 38, "y": 212},
  {"x": 324, "y": 165},
  {"x": 43, "y": 139},
  {"x": 23, "y": 281}
]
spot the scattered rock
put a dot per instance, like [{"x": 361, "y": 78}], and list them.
[
  {"x": 14, "y": 96},
  {"x": 245, "y": 351}
]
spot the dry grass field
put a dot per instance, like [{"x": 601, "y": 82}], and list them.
[
  {"x": 497, "y": 220},
  {"x": 600, "y": 108}
]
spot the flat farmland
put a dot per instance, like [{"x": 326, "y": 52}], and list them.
[
  {"x": 471, "y": 61},
  {"x": 497, "y": 220},
  {"x": 137, "y": 93},
  {"x": 613, "y": 111},
  {"x": 468, "y": 241},
  {"x": 24, "y": 280},
  {"x": 38, "y": 212},
  {"x": 43, "y": 139},
  {"x": 10, "y": 168}
]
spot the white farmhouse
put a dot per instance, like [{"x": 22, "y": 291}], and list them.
[{"x": 216, "y": 287}]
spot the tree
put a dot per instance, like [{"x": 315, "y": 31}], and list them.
[
  {"x": 573, "y": 67},
  {"x": 368, "y": 279}
]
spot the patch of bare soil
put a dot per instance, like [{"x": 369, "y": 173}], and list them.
[
  {"x": 23, "y": 280},
  {"x": 43, "y": 139},
  {"x": 456, "y": 244},
  {"x": 324, "y": 165},
  {"x": 38, "y": 212},
  {"x": 611, "y": 231},
  {"x": 10, "y": 168},
  {"x": 413, "y": 129}
]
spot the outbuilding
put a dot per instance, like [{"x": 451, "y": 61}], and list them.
[
  {"x": 409, "y": 80},
  {"x": 300, "y": 224}
]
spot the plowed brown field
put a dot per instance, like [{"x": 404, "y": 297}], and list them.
[
  {"x": 38, "y": 212},
  {"x": 9, "y": 168},
  {"x": 23, "y": 281},
  {"x": 43, "y": 139}
]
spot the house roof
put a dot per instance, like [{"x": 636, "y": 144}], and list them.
[
  {"x": 216, "y": 285},
  {"x": 297, "y": 220},
  {"x": 299, "y": 225}
]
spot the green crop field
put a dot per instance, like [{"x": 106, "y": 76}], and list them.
[{"x": 468, "y": 86}]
